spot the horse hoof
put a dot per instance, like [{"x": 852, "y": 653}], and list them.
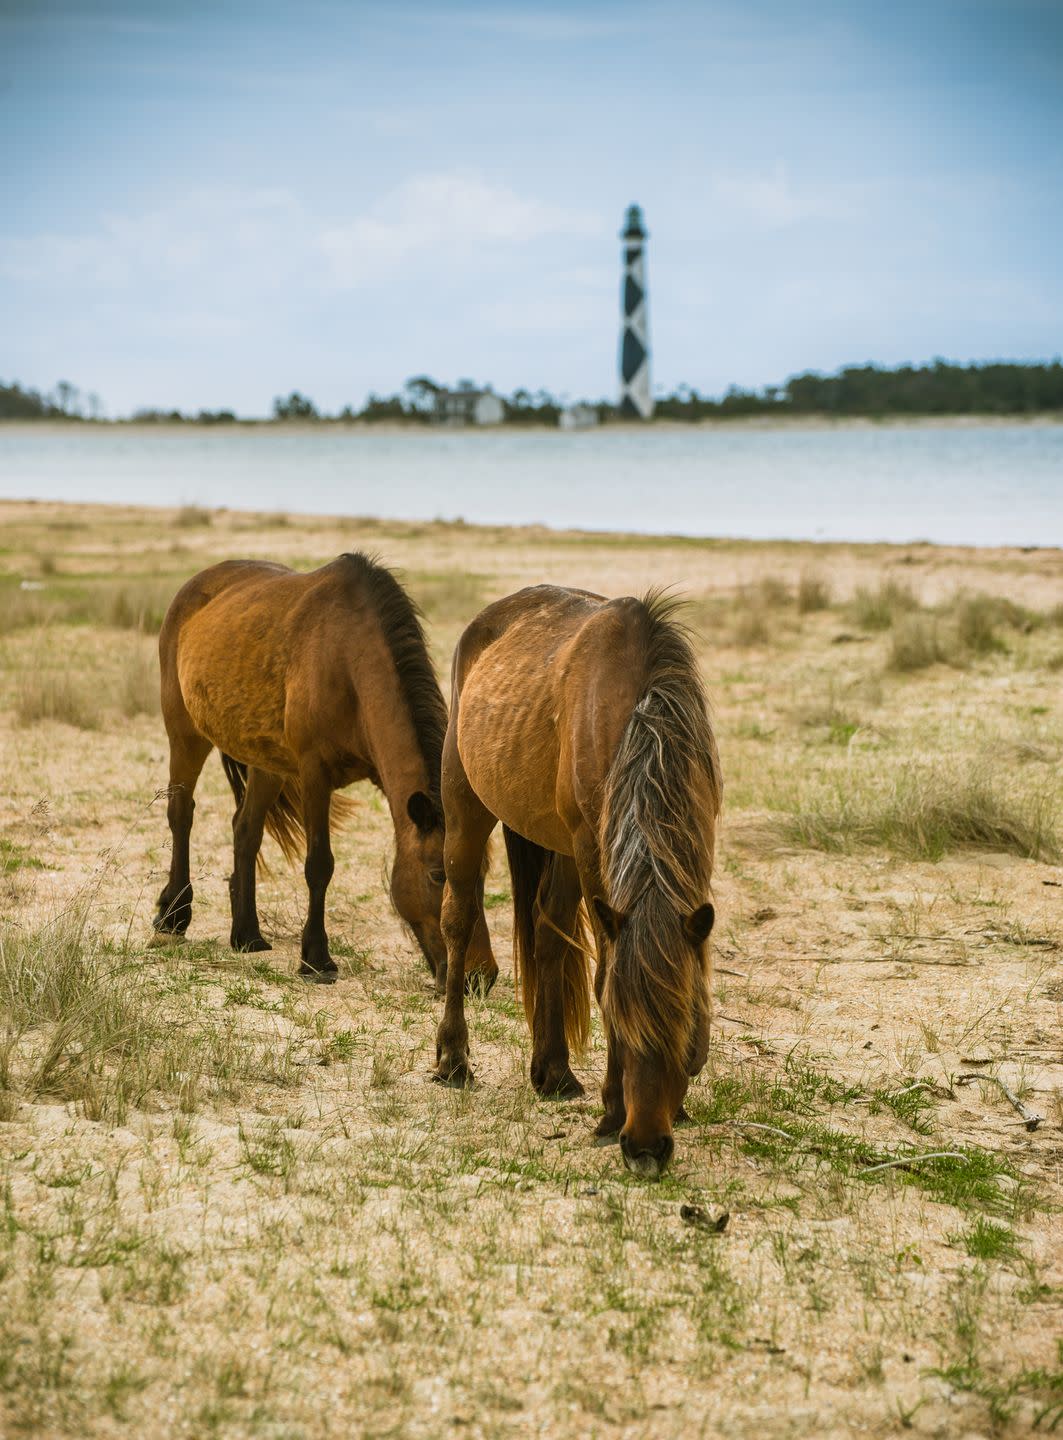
[
  {"x": 171, "y": 923},
  {"x": 254, "y": 946},
  {"x": 318, "y": 977},
  {"x": 607, "y": 1130},
  {"x": 601, "y": 1142},
  {"x": 558, "y": 1087},
  {"x": 453, "y": 1072}
]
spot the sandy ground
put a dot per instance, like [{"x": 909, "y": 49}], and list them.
[{"x": 331, "y": 1245}]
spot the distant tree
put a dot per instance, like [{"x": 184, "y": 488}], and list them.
[
  {"x": 524, "y": 408},
  {"x": 383, "y": 407},
  {"x": 215, "y": 417},
  {"x": 67, "y": 396},
  {"x": 95, "y": 407},
  {"x": 296, "y": 407},
  {"x": 19, "y": 404},
  {"x": 421, "y": 392}
]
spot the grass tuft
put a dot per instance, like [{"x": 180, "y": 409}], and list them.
[
  {"x": 879, "y": 609},
  {"x": 987, "y": 1240},
  {"x": 55, "y": 695},
  {"x": 813, "y": 593},
  {"x": 923, "y": 812},
  {"x": 192, "y": 517},
  {"x": 918, "y": 642}
]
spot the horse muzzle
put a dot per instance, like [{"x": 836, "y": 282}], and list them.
[{"x": 649, "y": 1162}]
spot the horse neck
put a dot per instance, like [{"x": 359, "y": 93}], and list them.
[{"x": 390, "y": 735}]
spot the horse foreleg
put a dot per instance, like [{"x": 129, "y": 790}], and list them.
[
  {"x": 557, "y": 907},
  {"x": 458, "y": 920},
  {"x": 469, "y": 826},
  {"x": 248, "y": 824},
  {"x": 588, "y": 862},
  {"x": 317, "y": 964},
  {"x": 188, "y": 755},
  {"x": 613, "y": 1107}
]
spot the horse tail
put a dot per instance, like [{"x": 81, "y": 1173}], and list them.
[
  {"x": 284, "y": 818},
  {"x": 529, "y": 867}
]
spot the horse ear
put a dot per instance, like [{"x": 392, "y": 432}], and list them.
[
  {"x": 611, "y": 920},
  {"x": 423, "y": 811},
  {"x": 699, "y": 925}
]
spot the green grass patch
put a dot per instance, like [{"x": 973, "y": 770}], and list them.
[
  {"x": 986, "y": 1240},
  {"x": 15, "y": 857}
]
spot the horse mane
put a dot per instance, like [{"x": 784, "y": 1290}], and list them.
[
  {"x": 402, "y": 624},
  {"x": 661, "y": 801}
]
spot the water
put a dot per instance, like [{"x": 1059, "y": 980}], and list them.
[{"x": 976, "y": 484}]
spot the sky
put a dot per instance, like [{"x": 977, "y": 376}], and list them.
[{"x": 210, "y": 204}]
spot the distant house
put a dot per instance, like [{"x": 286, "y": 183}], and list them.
[
  {"x": 577, "y": 417},
  {"x": 468, "y": 406}
]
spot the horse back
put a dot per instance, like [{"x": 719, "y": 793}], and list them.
[
  {"x": 256, "y": 654},
  {"x": 544, "y": 684}
]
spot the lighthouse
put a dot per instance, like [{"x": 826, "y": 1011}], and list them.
[{"x": 636, "y": 397}]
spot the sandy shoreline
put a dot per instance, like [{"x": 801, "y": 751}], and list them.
[{"x": 800, "y": 423}]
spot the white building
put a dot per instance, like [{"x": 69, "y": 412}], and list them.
[
  {"x": 577, "y": 417},
  {"x": 468, "y": 406}
]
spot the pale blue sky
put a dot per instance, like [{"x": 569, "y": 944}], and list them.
[{"x": 210, "y": 204}]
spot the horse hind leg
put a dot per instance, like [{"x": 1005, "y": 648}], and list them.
[
  {"x": 188, "y": 755},
  {"x": 556, "y": 950},
  {"x": 249, "y": 821}
]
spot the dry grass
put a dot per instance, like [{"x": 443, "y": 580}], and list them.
[
  {"x": 138, "y": 688},
  {"x": 128, "y": 605},
  {"x": 446, "y": 595},
  {"x": 89, "y": 1022},
  {"x": 813, "y": 592},
  {"x": 923, "y": 812},
  {"x": 52, "y": 694},
  {"x": 919, "y": 641},
  {"x": 193, "y": 517},
  {"x": 879, "y": 608}
]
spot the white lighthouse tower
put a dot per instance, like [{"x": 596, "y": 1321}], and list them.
[{"x": 636, "y": 396}]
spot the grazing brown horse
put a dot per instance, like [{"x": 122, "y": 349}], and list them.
[
  {"x": 306, "y": 683},
  {"x": 581, "y": 724}
]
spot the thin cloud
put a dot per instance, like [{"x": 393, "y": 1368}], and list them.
[{"x": 459, "y": 214}]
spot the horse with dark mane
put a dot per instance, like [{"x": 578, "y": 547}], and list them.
[
  {"x": 581, "y": 724},
  {"x": 306, "y": 683}
]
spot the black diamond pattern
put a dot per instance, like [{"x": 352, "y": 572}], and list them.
[
  {"x": 632, "y": 296},
  {"x": 632, "y": 356}
]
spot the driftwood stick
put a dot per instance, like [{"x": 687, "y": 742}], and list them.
[
  {"x": 1031, "y": 1119},
  {"x": 769, "y": 1129},
  {"x": 904, "y": 1161},
  {"x": 720, "y": 970}
]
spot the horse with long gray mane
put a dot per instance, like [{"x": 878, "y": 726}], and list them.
[
  {"x": 306, "y": 683},
  {"x": 581, "y": 724}
]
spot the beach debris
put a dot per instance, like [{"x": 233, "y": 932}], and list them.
[
  {"x": 1030, "y": 1118},
  {"x": 700, "y": 1218}
]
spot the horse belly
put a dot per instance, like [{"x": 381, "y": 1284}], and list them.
[{"x": 509, "y": 750}]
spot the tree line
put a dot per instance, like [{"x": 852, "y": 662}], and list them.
[{"x": 859, "y": 390}]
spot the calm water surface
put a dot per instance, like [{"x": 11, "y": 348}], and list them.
[{"x": 978, "y": 485}]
